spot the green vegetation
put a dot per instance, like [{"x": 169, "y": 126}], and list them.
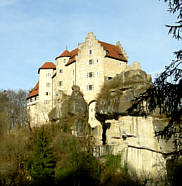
[
  {"x": 49, "y": 156},
  {"x": 41, "y": 167}
]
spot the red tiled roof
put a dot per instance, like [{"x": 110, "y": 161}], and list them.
[
  {"x": 66, "y": 53},
  {"x": 72, "y": 58},
  {"x": 74, "y": 52},
  {"x": 34, "y": 91},
  {"x": 113, "y": 51},
  {"x": 47, "y": 65}
]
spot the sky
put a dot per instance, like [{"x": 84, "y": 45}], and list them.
[{"x": 33, "y": 32}]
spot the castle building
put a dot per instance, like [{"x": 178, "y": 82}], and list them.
[{"x": 88, "y": 66}]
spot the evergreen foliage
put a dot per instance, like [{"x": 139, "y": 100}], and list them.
[
  {"x": 42, "y": 166},
  {"x": 165, "y": 95}
]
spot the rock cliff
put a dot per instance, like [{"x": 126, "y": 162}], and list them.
[
  {"x": 71, "y": 111},
  {"x": 127, "y": 131},
  {"x": 117, "y": 95}
]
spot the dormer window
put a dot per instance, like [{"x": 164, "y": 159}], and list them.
[
  {"x": 107, "y": 52},
  {"x": 120, "y": 55}
]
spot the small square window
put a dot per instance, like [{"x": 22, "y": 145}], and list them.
[
  {"x": 60, "y": 83},
  {"x": 48, "y": 74},
  {"x": 61, "y": 71},
  {"x": 46, "y": 101},
  {"x": 90, "y": 74},
  {"x": 90, "y": 87},
  {"x": 90, "y": 61},
  {"x": 47, "y": 93}
]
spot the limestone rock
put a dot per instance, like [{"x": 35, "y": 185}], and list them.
[
  {"x": 72, "y": 110},
  {"x": 117, "y": 95}
]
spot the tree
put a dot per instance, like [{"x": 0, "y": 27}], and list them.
[
  {"x": 4, "y": 120},
  {"x": 41, "y": 168},
  {"x": 17, "y": 107},
  {"x": 168, "y": 86},
  {"x": 165, "y": 94}
]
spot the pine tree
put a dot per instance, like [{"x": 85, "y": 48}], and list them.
[{"x": 42, "y": 166}]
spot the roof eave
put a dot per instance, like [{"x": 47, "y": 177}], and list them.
[
  {"x": 46, "y": 69},
  {"x": 61, "y": 56},
  {"x": 117, "y": 58},
  {"x": 70, "y": 63},
  {"x": 32, "y": 96}
]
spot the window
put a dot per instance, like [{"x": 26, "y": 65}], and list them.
[
  {"x": 46, "y": 101},
  {"x": 97, "y": 61},
  {"x": 48, "y": 84},
  {"x": 64, "y": 60},
  {"x": 107, "y": 52},
  {"x": 90, "y": 62},
  {"x": 61, "y": 71},
  {"x": 90, "y": 74},
  {"x": 109, "y": 78},
  {"x": 90, "y": 51},
  {"x": 60, "y": 83},
  {"x": 90, "y": 87},
  {"x": 48, "y": 74},
  {"x": 47, "y": 93}
]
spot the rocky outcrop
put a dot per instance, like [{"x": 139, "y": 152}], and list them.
[
  {"x": 75, "y": 104},
  {"x": 134, "y": 138},
  {"x": 117, "y": 95},
  {"x": 71, "y": 110},
  {"x": 130, "y": 131}
]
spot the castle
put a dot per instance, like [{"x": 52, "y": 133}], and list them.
[{"x": 88, "y": 66}]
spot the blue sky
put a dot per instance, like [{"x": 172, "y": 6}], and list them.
[{"x": 35, "y": 31}]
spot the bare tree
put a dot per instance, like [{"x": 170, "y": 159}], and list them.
[{"x": 13, "y": 107}]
